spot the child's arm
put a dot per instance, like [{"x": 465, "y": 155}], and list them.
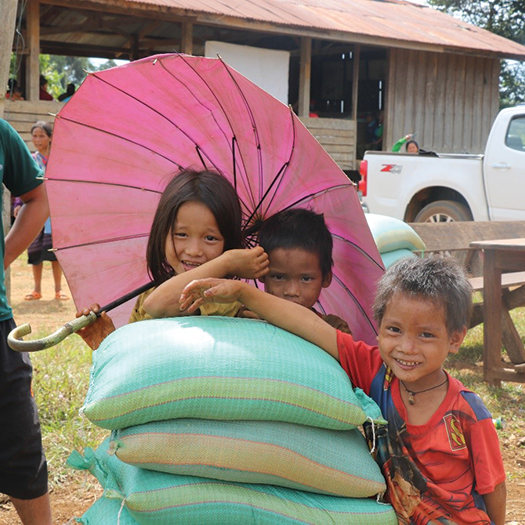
[
  {"x": 285, "y": 314},
  {"x": 97, "y": 331},
  {"x": 248, "y": 264},
  {"x": 496, "y": 504}
]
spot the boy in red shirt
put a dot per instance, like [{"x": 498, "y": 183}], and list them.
[{"x": 440, "y": 453}]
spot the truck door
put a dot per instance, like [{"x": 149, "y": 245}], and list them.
[{"x": 504, "y": 167}]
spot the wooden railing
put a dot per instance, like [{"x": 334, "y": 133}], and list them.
[{"x": 337, "y": 136}]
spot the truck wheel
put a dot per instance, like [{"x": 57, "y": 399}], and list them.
[{"x": 444, "y": 211}]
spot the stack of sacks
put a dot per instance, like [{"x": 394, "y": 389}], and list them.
[
  {"x": 223, "y": 420},
  {"x": 395, "y": 239}
]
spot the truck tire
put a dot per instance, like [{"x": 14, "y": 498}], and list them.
[{"x": 444, "y": 211}]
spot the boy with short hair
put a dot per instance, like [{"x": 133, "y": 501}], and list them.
[
  {"x": 440, "y": 455},
  {"x": 299, "y": 247}
]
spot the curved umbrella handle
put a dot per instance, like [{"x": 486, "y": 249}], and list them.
[{"x": 14, "y": 339}]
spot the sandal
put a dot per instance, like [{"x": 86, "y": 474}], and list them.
[
  {"x": 33, "y": 296},
  {"x": 59, "y": 296}
]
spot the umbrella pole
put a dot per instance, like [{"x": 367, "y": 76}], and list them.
[{"x": 15, "y": 341}]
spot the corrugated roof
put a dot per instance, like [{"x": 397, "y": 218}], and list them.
[{"x": 398, "y": 22}]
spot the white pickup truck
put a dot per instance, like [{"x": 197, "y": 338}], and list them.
[{"x": 452, "y": 187}]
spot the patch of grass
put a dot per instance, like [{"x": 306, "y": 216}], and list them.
[
  {"x": 506, "y": 401},
  {"x": 60, "y": 383}
]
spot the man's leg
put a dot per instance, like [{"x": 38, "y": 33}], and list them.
[
  {"x": 34, "y": 511},
  {"x": 23, "y": 467}
]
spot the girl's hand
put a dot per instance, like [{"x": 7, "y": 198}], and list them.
[
  {"x": 97, "y": 331},
  {"x": 211, "y": 290},
  {"x": 244, "y": 313},
  {"x": 249, "y": 263}
]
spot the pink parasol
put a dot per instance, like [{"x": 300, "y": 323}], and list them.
[{"x": 129, "y": 129}]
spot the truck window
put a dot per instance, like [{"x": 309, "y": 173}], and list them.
[{"x": 515, "y": 138}]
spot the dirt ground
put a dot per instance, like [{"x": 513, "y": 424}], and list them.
[{"x": 73, "y": 499}]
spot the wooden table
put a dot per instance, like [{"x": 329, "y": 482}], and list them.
[{"x": 500, "y": 257}]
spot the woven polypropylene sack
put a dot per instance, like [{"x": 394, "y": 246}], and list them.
[
  {"x": 390, "y": 258},
  {"x": 319, "y": 460},
  {"x": 106, "y": 511},
  {"x": 158, "y": 498},
  {"x": 217, "y": 368},
  {"x": 392, "y": 234}
]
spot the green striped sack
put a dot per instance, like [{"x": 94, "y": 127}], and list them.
[
  {"x": 219, "y": 368},
  {"x": 106, "y": 511},
  {"x": 390, "y": 258},
  {"x": 392, "y": 234},
  {"x": 295, "y": 456},
  {"x": 158, "y": 498}
]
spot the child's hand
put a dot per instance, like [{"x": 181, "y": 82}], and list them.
[
  {"x": 249, "y": 263},
  {"x": 244, "y": 313},
  {"x": 97, "y": 331},
  {"x": 209, "y": 290}
]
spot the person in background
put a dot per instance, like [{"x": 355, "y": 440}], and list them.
[
  {"x": 44, "y": 95},
  {"x": 15, "y": 92},
  {"x": 411, "y": 146},
  {"x": 70, "y": 91},
  {"x": 377, "y": 145},
  {"x": 23, "y": 466},
  {"x": 40, "y": 249}
]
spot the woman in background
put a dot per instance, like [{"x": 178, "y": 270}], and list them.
[{"x": 39, "y": 251}]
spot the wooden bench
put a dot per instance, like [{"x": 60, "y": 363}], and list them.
[{"x": 454, "y": 238}]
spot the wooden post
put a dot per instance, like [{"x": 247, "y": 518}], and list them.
[
  {"x": 134, "y": 50},
  {"x": 7, "y": 31},
  {"x": 33, "y": 44},
  {"x": 186, "y": 41},
  {"x": 355, "y": 81},
  {"x": 305, "y": 74}
]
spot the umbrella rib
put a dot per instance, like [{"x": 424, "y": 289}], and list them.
[
  {"x": 103, "y": 241},
  {"x": 158, "y": 113},
  {"x": 286, "y": 164},
  {"x": 317, "y": 193},
  {"x": 220, "y": 105},
  {"x": 177, "y": 79},
  {"x": 200, "y": 157},
  {"x": 254, "y": 127},
  {"x": 234, "y": 168},
  {"x": 368, "y": 256},
  {"x": 118, "y": 185},
  {"x": 82, "y": 124},
  {"x": 326, "y": 190},
  {"x": 275, "y": 179},
  {"x": 356, "y": 302}
]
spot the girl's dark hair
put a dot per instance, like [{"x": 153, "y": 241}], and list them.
[
  {"x": 209, "y": 188},
  {"x": 46, "y": 127},
  {"x": 299, "y": 228}
]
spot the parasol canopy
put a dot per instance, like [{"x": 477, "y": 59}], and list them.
[{"x": 128, "y": 130}]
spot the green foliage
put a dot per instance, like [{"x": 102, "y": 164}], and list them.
[
  {"x": 512, "y": 84},
  {"x": 61, "y": 70},
  {"x": 502, "y": 17},
  {"x": 506, "y": 401},
  {"x": 60, "y": 382}
]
